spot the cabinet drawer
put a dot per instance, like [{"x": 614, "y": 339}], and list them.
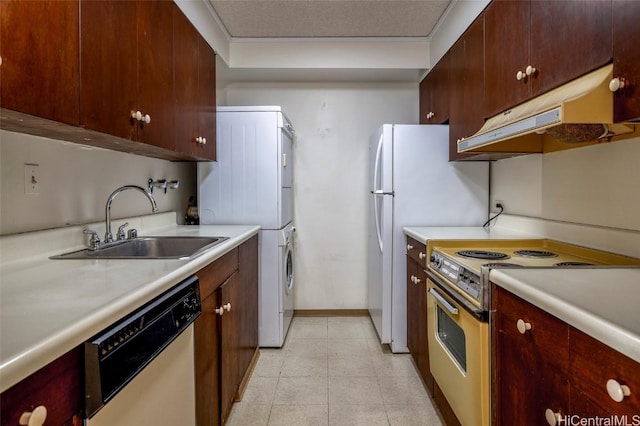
[
  {"x": 417, "y": 251},
  {"x": 547, "y": 339},
  {"x": 56, "y": 386},
  {"x": 214, "y": 274},
  {"x": 593, "y": 364}
]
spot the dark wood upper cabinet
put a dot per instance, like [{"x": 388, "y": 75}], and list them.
[
  {"x": 626, "y": 59},
  {"x": 155, "y": 72},
  {"x": 207, "y": 101},
  {"x": 127, "y": 67},
  {"x": 109, "y": 44},
  {"x": 195, "y": 90},
  {"x": 466, "y": 94},
  {"x": 568, "y": 39},
  {"x": 506, "y": 50},
  {"x": 535, "y": 46},
  {"x": 40, "y": 74},
  {"x": 434, "y": 94}
]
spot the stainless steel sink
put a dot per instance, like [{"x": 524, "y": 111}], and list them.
[{"x": 149, "y": 248}]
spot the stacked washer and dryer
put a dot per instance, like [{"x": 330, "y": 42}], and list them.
[{"x": 252, "y": 184}]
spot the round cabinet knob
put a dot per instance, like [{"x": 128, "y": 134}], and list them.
[
  {"x": 616, "y": 391},
  {"x": 136, "y": 115},
  {"x": 199, "y": 139},
  {"x": 529, "y": 70},
  {"x": 422, "y": 255},
  {"x": 409, "y": 247},
  {"x": 523, "y": 326},
  {"x": 519, "y": 75},
  {"x": 413, "y": 279},
  {"x": 204, "y": 141},
  {"x": 36, "y": 417},
  {"x": 227, "y": 307},
  {"x": 616, "y": 84},
  {"x": 552, "y": 418},
  {"x": 147, "y": 118},
  {"x": 418, "y": 280},
  {"x": 219, "y": 311}
]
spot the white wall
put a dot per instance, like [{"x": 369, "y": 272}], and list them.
[
  {"x": 75, "y": 182},
  {"x": 333, "y": 122},
  {"x": 595, "y": 185}
]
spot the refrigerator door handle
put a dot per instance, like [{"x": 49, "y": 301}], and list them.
[
  {"x": 375, "y": 192},
  {"x": 381, "y": 192}
]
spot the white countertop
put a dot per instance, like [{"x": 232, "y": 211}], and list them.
[
  {"x": 602, "y": 303},
  {"x": 48, "y": 307},
  {"x": 425, "y": 233}
]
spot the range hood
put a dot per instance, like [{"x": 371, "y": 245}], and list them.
[{"x": 579, "y": 111}]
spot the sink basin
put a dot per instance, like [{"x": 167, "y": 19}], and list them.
[{"x": 149, "y": 248}]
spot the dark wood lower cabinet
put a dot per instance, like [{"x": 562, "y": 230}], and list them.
[
  {"x": 417, "y": 320},
  {"x": 553, "y": 369},
  {"x": 57, "y": 387},
  {"x": 226, "y": 333}
]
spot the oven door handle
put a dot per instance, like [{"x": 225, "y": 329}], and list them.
[{"x": 444, "y": 302}]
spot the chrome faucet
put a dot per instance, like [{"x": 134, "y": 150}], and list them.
[{"x": 108, "y": 238}]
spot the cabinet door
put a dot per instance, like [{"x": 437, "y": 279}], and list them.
[
  {"x": 434, "y": 94},
  {"x": 40, "y": 70},
  {"x": 506, "y": 52},
  {"x": 530, "y": 369},
  {"x": 186, "y": 94},
  {"x": 57, "y": 387},
  {"x": 525, "y": 386},
  {"x": 568, "y": 39},
  {"x": 466, "y": 104},
  {"x": 417, "y": 320},
  {"x": 626, "y": 59},
  {"x": 247, "y": 309},
  {"x": 207, "y": 366},
  {"x": 207, "y": 101},
  {"x": 155, "y": 72},
  {"x": 230, "y": 322},
  {"x": 109, "y": 67}
]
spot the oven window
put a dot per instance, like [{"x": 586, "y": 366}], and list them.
[{"x": 452, "y": 338}]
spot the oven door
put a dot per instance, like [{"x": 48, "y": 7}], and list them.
[{"x": 459, "y": 356}]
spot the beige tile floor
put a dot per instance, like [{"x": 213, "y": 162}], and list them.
[{"x": 333, "y": 371}]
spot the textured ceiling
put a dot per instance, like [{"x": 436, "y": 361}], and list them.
[{"x": 329, "y": 18}]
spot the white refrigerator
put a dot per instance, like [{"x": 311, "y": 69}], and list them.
[{"x": 412, "y": 183}]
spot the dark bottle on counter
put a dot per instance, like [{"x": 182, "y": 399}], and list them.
[{"x": 191, "y": 215}]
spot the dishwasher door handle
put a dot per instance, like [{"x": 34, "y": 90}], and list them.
[{"x": 444, "y": 302}]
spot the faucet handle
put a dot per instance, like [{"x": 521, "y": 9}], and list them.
[
  {"x": 94, "y": 241},
  {"x": 121, "y": 235}
]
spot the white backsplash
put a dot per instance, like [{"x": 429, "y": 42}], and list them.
[{"x": 76, "y": 180}]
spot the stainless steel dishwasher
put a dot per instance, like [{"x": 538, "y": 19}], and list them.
[{"x": 140, "y": 370}]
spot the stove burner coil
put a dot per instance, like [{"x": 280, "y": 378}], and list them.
[
  {"x": 501, "y": 265},
  {"x": 482, "y": 254},
  {"x": 535, "y": 253},
  {"x": 569, "y": 264}
]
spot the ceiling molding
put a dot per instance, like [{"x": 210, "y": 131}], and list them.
[{"x": 369, "y": 58}]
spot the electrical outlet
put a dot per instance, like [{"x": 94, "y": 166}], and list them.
[
  {"x": 499, "y": 203},
  {"x": 31, "y": 179}
]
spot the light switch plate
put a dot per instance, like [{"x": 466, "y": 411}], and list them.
[{"x": 31, "y": 179}]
